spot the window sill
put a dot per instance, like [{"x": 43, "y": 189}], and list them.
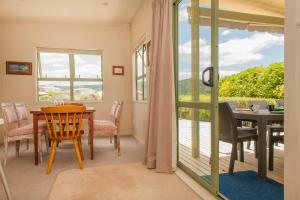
[{"x": 83, "y": 102}]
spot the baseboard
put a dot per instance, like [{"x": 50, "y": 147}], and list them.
[{"x": 201, "y": 191}]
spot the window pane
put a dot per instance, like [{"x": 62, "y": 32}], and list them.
[
  {"x": 54, "y": 65},
  {"x": 88, "y": 91},
  {"x": 139, "y": 90},
  {"x": 53, "y": 90},
  {"x": 87, "y": 66},
  {"x": 139, "y": 65}
]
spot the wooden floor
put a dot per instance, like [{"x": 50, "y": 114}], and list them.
[{"x": 202, "y": 167}]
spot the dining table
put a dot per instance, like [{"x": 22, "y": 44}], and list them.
[
  {"x": 263, "y": 118},
  {"x": 38, "y": 115}
]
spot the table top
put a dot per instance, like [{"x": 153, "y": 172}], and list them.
[
  {"x": 260, "y": 112},
  {"x": 38, "y": 111}
]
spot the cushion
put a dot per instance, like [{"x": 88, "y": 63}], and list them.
[
  {"x": 104, "y": 125},
  {"x": 25, "y": 130}
]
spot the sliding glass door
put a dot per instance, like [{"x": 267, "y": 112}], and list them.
[{"x": 196, "y": 60}]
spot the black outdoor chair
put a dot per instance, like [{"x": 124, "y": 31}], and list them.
[{"x": 230, "y": 133}]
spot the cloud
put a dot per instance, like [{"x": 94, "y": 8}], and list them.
[
  {"x": 236, "y": 51},
  {"x": 226, "y": 32},
  {"x": 183, "y": 15}
]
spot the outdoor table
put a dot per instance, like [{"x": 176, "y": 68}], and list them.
[
  {"x": 262, "y": 117},
  {"x": 39, "y": 115}
]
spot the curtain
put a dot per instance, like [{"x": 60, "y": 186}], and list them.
[{"x": 158, "y": 142}]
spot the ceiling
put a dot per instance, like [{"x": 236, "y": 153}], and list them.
[{"x": 90, "y": 11}]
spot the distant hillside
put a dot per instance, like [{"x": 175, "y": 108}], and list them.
[{"x": 184, "y": 87}]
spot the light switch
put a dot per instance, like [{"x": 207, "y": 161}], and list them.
[{"x": 1, "y": 121}]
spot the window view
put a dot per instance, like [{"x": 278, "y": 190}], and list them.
[
  {"x": 69, "y": 76},
  {"x": 141, "y": 73}
]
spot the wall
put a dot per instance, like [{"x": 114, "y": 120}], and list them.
[
  {"x": 292, "y": 99},
  {"x": 140, "y": 32},
  {"x": 19, "y": 41}
]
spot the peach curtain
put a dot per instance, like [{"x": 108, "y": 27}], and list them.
[{"x": 158, "y": 143}]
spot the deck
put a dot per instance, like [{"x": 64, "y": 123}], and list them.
[{"x": 201, "y": 164}]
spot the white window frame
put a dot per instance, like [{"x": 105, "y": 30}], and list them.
[{"x": 72, "y": 68}]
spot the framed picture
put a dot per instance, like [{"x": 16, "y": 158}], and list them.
[
  {"x": 118, "y": 70},
  {"x": 18, "y": 68}
]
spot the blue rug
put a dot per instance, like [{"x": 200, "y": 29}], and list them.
[{"x": 246, "y": 185}]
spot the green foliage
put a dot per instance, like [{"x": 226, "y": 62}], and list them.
[{"x": 255, "y": 82}]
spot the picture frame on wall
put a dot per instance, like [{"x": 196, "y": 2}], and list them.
[
  {"x": 18, "y": 68},
  {"x": 118, "y": 70}
]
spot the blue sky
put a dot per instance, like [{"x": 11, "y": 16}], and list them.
[{"x": 238, "y": 49}]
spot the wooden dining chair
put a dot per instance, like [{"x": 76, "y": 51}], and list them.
[
  {"x": 111, "y": 127},
  {"x": 13, "y": 132},
  {"x": 274, "y": 138},
  {"x": 70, "y": 115}
]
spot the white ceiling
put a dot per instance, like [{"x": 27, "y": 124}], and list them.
[{"x": 90, "y": 11}]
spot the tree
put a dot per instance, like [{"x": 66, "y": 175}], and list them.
[{"x": 260, "y": 82}]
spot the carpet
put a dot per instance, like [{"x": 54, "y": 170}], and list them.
[
  {"x": 119, "y": 182},
  {"x": 246, "y": 185}
]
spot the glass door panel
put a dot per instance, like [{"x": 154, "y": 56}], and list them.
[{"x": 196, "y": 72}]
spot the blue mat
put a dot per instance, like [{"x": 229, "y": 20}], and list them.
[{"x": 246, "y": 185}]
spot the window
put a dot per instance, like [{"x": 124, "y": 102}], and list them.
[
  {"x": 69, "y": 75},
  {"x": 141, "y": 73}
]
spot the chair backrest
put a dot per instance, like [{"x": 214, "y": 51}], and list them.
[
  {"x": 227, "y": 123},
  {"x": 66, "y": 119},
  {"x": 113, "y": 109},
  {"x": 279, "y": 102},
  {"x": 21, "y": 111},
  {"x": 262, "y": 104},
  {"x": 9, "y": 115},
  {"x": 232, "y": 104},
  {"x": 118, "y": 112}
]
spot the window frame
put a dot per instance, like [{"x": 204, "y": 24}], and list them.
[
  {"x": 143, "y": 77},
  {"x": 72, "y": 68}
]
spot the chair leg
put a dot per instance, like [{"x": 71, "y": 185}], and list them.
[
  {"x": 5, "y": 150},
  {"x": 110, "y": 138},
  {"x": 27, "y": 144},
  {"x": 118, "y": 145},
  {"x": 232, "y": 158},
  {"x": 52, "y": 153},
  {"x": 80, "y": 148},
  {"x": 278, "y": 134},
  {"x": 2, "y": 176},
  {"x": 78, "y": 153},
  {"x": 115, "y": 141},
  {"x": 18, "y": 148},
  {"x": 40, "y": 149},
  {"x": 241, "y": 151},
  {"x": 271, "y": 155},
  {"x": 255, "y": 149},
  {"x": 248, "y": 144}
]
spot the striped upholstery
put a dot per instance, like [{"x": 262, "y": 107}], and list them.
[
  {"x": 104, "y": 125},
  {"x": 9, "y": 113},
  {"x": 25, "y": 130},
  {"x": 21, "y": 111},
  {"x": 113, "y": 109}
]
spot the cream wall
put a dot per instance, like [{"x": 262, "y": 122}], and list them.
[
  {"x": 140, "y": 33},
  {"x": 19, "y": 40},
  {"x": 292, "y": 101}
]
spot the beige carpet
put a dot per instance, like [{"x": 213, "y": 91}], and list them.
[
  {"x": 119, "y": 182},
  {"x": 30, "y": 182}
]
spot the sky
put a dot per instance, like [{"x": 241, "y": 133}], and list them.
[{"x": 238, "y": 49}]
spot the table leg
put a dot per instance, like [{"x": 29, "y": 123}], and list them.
[
  {"x": 35, "y": 139},
  {"x": 262, "y": 148},
  {"x": 91, "y": 131}
]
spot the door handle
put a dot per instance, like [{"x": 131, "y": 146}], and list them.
[{"x": 210, "y": 81}]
